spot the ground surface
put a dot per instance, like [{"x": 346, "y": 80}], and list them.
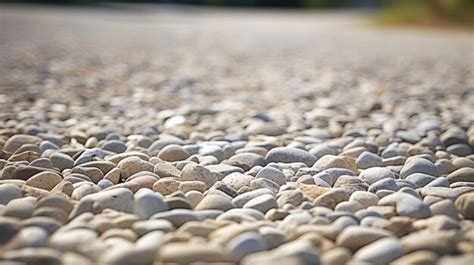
[{"x": 377, "y": 127}]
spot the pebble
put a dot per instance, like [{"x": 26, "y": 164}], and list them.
[
  {"x": 45, "y": 180},
  {"x": 381, "y": 251},
  {"x": 245, "y": 244},
  {"x": 465, "y": 205},
  {"x": 262, "y": 203},
  {"x": 172, "y": 153},
  {"x": 215, "y": 201},
  {"x": 290, "y": 155},
  {"x": 419, "y": 165},
  {"x": 147, "y": 203},
  {"x": 132, "y": 165},
  {"x": 9, "y": 192},
  {"x": 192, "y": 172},
  {"x": 368, "y": 160},
  {"x": 406, "y": 205},
  {"x": 272, "y": 174},
  {"x": 356, "y": 237},
  {"x": 120, "y": 199},
  {"x": 462, "y": 174},
  {"x": 332, "y": 161}
]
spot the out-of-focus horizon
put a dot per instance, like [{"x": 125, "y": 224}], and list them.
[{"x": 389, "y": 12}]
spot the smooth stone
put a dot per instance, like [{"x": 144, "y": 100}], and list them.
[
  {"x": 161, "y": 143},
  {"x": 245, "y": 244},
  {"x": 365, "y": 198},
  {"x": 420, "y": 179},
  {"x": 186, "y": 253},
  {"x": 178, "y": 203},
  {"x": 465, "y": 205},
  {"x": 243, "y": 198},
  {"x": 215, "y": 201},
  {"x": 442, "y": 192},
  {"x": 21, "y": 208},
  {"x": 247, "y": 161},
  {"x": 186, "y": 186},
  {"x": 9, "y": 192},
  {"x": 146, "y": 226},
  {"x": 45, "y": 180},
  {"x": 147, "y": 203},
  {"x": 438, "y": 222},
  {"x": 264, "y": 184},
  {"x": 406, "y": 205},
  {"x": 421, "y": 257},
  {"x": 301, "y": 251},
  {"x": 166, "y": 170},
  {"x": 355, "y": 237},
  {"x": 444, "y": 207},
  {"x": 331, "y": 175},
  {"x": 119, "y": 199},
  {"x": 56, "y": 201},
  {"x": 290, "y": 155},
  {"x": 380, "y": 252},
  {"x": 293, "y": 197},
  {"x": 84, "y": 190},
  {"x": 237, "y": 180},
  {"x": 193, "y": 172},
  {"x": 70, "y": 240},
  {"x": 115, "y": 146},
  {"x": 262, "y": 203},
  {"x": 272, "y": 236},
  {"x": 177, "y": 217},
  {"x": 419, "y": 165},
  {"x": 172, "y": 153},
  {"x": 132, "y": 165},
  {"x": 384, "y": 184},
  {"x": 463, "y": 174},
  {"x": 368, "y": 160},
  {"x": 351, "y": 184},
  {"x": 459, "y": 149},
  {"x": 336, "y": 256},
  {"x": 331, "y": 198},
  {"x": 440, "y": 241},
  {"x": 33, "y": 256},
  {"x": 16, "y": 141},
  {"x": 375, "y": 174},
  {"x": 332, "y": 161},
  {"x": 193, "y": 197},
  {"x": 197, "y": 228},
  {"x": 89, "y": 155},
  {"x": 32, "y": 236},
  {"x": 224, "y": 170},
  {"x": 104, "y": 184},
  {"x": 212, "y": 150},
  {"x": 272, "y": 174},
  {"x": 312, "y": 191},
  {"x": 439, "y": 182},
  {"x": 166, "y": 186},
  {"x": 93, "y": 173}
]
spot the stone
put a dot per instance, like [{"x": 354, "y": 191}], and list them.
[
  {"x": 381, "y": 251},
  {"x": 290, "y": 155},
  {"x": 177, "y": 217},
  {"x": 462, "y": 174},
  {"x": 21, "y": 208},
  {"x": 272, "y": 174},
  {"x": 293, "y": 197},
  {"x": 465, "y": 205},
  {"x": 331, "y": 198},
  {"x": 245, "y": 244},
  {"x": 193, "y": 172},
  {"x": 34, "y": 256},
  {"x": 172, "y": 153},
  {"x": 312, "y": 191},
  {"x": 215, "y": 201},
  {"x": 247, "y": 161},
  {"x": 384, "y": 184},
  {"x": 119, "y": 199},
  {"x": 444, "y": 207},
  {"x": 146, "y": 226},
  {"x": 166, "y": 170},
  {"x": 331, "y": 175},
  {"x": 147, "y": 203},
  {"x": 350, "y": 184},
  {"x": 242, "y": 199},
  {"x": 406, "y": 205},
  {"x": 375, "y": 174},
  {"x": 262, "y": 203},
  {"x": 45, "y": 180},
  {"x": 70, "y": 240},
  {"x": 356, "y": 237},
  {"x": 132, "y": 165},
  {"x": 16, "y": 141},
  {"x": 368, "y": 160},
  {"x": 237, "y": 180},
  {"x": 418, "y": 257},
  {"x": 336, "y": 256},
  {"x": 9, "y": 192},
  {"x": 186, "y": 253},
  {"x": 365, "y": 198},
  {"x": 115, "y": 146},
  {"x": 332, "y": 161},
  {"x": 166, "y": 186},
  {"x": 419, "y": 165}
]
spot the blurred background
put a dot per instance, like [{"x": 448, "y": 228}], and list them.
[{"x": 390, "y": 12}]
